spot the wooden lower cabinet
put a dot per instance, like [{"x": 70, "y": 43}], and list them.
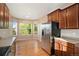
[
  {"x": 57, "y": 49},
  {"x": 65, "y": 48},
  {"x": 72, "y": 16},
  {"x": 76, "y": 51},
  {"x": 64, "y": 51},
  {"x": 70, "y": 49},
  {"x": 67, "y": 51},
  {"x": 70, "y": 52}
]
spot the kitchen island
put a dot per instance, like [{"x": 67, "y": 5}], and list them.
[{"x": 6, "y": 45}]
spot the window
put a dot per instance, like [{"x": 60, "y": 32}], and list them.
[{"x": 26, "y": 29}]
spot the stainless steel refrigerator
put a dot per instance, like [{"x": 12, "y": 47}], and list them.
[{"x": 49, "y": 31}]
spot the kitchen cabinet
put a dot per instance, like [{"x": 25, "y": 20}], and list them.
[
  {"x": 78, "y": 16},
  {"x": 49, "y": 17},
  {"x": 67, "y": 51},
  {"x": 63, "y": 48},
  {"x": 57, "y": 48},
  {"x": 70, "y": 49},
  {"x": 4, "y": 16},
  {"x": 76, "y": 51},
  {"x": 72, "y": 16},
  {"x": 54, "y": 16},
  {"x": 1, "y": 15},
  {"x": 62, "y": 19},
  {"x": 69, "y": 18}
]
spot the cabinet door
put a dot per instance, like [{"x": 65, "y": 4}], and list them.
[
  {"x": 64, "y": 52},
  {"x": 57, "y": 48},
  {"x": 49, "y": 18},
  {"x": 76, "y": 51},
  {"x": 5, "y": 16},
  {"x": 70, "y": 49},
  {"x": 64, "y": 48},
  {"x": 72, "y": 16},
  {"x": 7, "y": 19},
  {"x": 55, "y": 15},
  {"x": 62, "y": 19},
  {"x": 1, "y": 15},
  {"x": 67, "y": 51},
  {"x": 78, "y": 15}
]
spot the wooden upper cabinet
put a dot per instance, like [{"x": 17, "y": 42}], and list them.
[
  {"x": 4, "y": 16},
  {"x": 55, "y": 15},
  {"x": 68, "y": 18},
  {"x": 1, "y": 15},
  {"x": 7, "y": 16},
  {"x": 72, "y": 16},
  {"x": 49, "y": 17},
  {"x": 62, "y": 19},
  {"x": 78, "y": 16}
]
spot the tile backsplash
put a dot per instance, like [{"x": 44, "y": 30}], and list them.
[
  {"x": 4, "y": 33},
  {"x": 70, "y": 33}
]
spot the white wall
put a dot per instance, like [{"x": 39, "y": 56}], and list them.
[{"x": 70, "y": 33}]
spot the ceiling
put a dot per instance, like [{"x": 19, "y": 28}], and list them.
[{"x": 34, "y": 10}]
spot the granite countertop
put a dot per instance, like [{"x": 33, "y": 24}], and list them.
[
  {"x": 7, "y": 41},
  {"x": 72, "y": 40}
]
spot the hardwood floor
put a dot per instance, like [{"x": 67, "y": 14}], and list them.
[{"x": 29, "y": 47}]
